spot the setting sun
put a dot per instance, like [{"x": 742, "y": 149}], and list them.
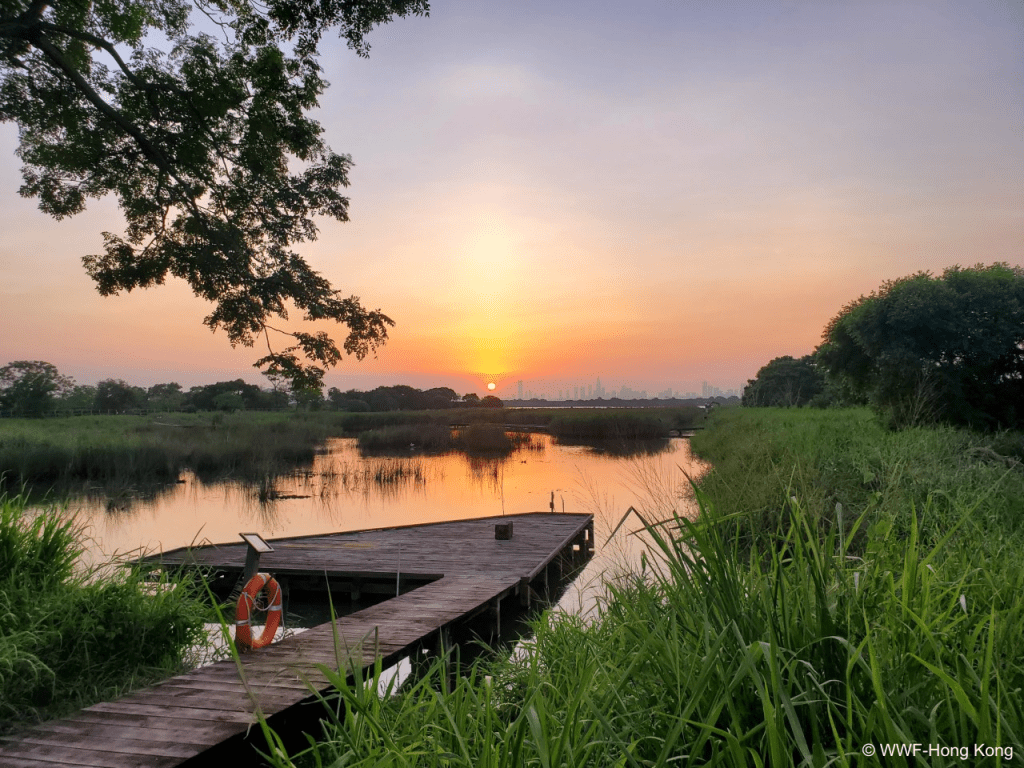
[{"x": 490, "y": 385}]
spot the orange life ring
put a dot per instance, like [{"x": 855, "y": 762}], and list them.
[{"x": 247, "y": 601}]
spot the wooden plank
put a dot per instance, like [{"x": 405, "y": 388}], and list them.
[
  {"x": 172, "y": 713},
  {"x": 199, "y": 731},
  {"x": 61, "y": 754},
  {"x": 111, "y": 730},
  {"x": 183, "y": 716},
  {"x": 122, "y": 744}
]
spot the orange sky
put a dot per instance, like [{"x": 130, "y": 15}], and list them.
[{"x": 657, "y": 198}]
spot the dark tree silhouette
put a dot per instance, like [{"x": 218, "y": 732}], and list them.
[
  {"x": 207, "y": 146},
  {"x": 949, "y": 347}
]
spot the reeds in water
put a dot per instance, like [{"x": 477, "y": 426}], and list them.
[{"x": 803, "y": 639}]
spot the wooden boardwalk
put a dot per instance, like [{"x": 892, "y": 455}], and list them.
[{"x": 205, "y": 716}]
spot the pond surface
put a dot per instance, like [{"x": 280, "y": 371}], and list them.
[{"x": 342, "y": 490}]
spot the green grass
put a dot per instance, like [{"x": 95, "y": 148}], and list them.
[
  {"x": 433, "y": 438},
  {"x": 67, "y": 453},
  {"x": 842, "y": 585},
  {"x": 760, "y": 456},
  {"x": 68, "y": 638},
  {"x": 613, "y": 425}
]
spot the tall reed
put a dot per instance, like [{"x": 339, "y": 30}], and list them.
[
  {"x": 70, "y": 638},
  {"x": 896, "y": 620}
]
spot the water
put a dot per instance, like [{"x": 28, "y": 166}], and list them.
[{"x": 345, "y": 491}]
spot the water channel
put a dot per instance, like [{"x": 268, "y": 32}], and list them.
[{"x": 344, "y": 490}]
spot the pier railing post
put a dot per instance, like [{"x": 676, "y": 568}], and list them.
[{"x": 255, "y": 546}]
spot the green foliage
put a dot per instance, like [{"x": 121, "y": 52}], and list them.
[
  {"x": 67, "y": 638},
  {"x": 486, "y": 438},
  {"x": 847, "y": 457},
  {"x": 116, "y": 396},
  {"x": 134, "y": 449},
  {"x": 785, "y": 381},
  {"x": 621, "y": 425},
  {"x": 207, "y": 145},
  {"x": 424, "y": 437},
  {"x": 29, "y": 387},
  {"x": 948, "y": 347},
  {"x": 797, "y": 650}
]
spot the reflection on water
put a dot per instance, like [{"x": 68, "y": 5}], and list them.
[{"x": 341, "y": 490}]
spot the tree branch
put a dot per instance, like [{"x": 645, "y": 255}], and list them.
[{"x": 152, "y": 153}]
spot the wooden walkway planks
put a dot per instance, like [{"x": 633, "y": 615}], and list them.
[
  {"x": 459, "y": 547},
  {"x": 180, "y": 719}
]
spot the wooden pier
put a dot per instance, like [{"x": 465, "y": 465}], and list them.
[{"x": 460, "y": 572}]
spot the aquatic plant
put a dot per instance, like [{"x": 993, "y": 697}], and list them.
[
  {"x": 889, "y": 619},
  {"x": 69, "y": 638}
]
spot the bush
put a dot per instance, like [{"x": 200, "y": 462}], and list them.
[
  {"x": 69, "y": 639},
  {"x": 427, "y": 437},
  {"x": 615, "y": 425},
  {"x": 485, "y": 438}
]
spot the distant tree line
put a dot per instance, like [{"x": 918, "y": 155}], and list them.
[
  {"x": 405, "y": 398},
  {"x": 35, "y": 388},
  {"x": 920, "y": 349}
]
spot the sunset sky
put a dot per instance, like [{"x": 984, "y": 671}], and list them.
[{"x": 656, "y": 193}]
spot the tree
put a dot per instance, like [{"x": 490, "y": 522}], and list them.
[
  {"x": 28, "y": 387},
  {"x": 490, "y": 401},
  {"x": 81, "y": 397},
  {"x": 439, "y": 398},
  {"x": 949, "y": 347},
  {"x": 115, "y": 395},
  {"x": 247, "y": 396},
  {"x": 207, "y": 146},
  {"x": 309, "y": 399},
  {"x": 165, "y": 397},
  {"x": 784, "y": 381}
]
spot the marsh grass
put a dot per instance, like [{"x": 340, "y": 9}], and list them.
[
  {"x": 493, "y": 439},
  {"x": 896, "y": 618},
  {"x": 70, "y": 638},
  {"x": 432, "y": 438},
  {"x": 610, "y": 425},
  {"x": 74, "y": 453},
  {"x": 797, "y": 661},
  {"x": 847, "y": 457}
]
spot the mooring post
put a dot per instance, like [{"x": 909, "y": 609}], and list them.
[{"x": 497, "y": 620}]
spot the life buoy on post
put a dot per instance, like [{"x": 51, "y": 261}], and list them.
[{"x": 243, "y": 611}]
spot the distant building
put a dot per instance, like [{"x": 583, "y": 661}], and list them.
[{"x": 520, "y": 384}]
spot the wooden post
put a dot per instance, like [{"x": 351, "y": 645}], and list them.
[
  {"x": 497, "y": 621},
  {"x": 524, "y": 591},
  {"x": 255, "y": 547}
]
